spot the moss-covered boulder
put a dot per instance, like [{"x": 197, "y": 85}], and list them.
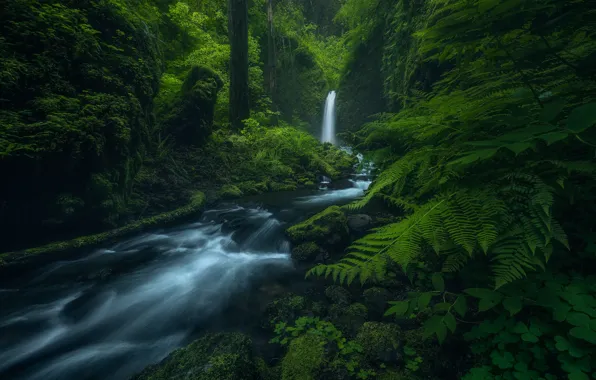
[
  {"x": 190, "y": 114},
  {"x": 305, "y": 358},
  {"x": 338, "y": 295},
  {"x": 223, "y": 356},
  {"x": 230, "y": 191},
  {"x": 306, "y": 252},
  {"x": 380, "y": 341},
  {"x": 286, "y": 309},
  {"x": 252, "y": 187},
  {"x": 327, "y": 228},
  {"x": 348, "y": 319},
  {"x": 287, "y": 185}
]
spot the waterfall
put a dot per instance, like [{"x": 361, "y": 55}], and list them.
[{"x": 328, "y": 134}]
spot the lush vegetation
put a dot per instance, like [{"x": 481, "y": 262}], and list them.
[
  {"x": 114, "y": 111},
  {"x": 489, "y": 164},
  {"x": 476, "y": 258}
]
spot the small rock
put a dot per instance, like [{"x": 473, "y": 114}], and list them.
[
  {"x": 341, "y": 184},
  {"x": 359, "y": 222}
]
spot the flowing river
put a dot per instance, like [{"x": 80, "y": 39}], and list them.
[{"x": 108, "y": 313}]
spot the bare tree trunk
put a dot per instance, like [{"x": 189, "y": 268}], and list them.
[{"x": 238, "y": 31}]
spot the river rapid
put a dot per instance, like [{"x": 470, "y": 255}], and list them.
[{"x": 108, "y": 313}]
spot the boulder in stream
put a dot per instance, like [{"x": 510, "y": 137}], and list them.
[
  {"x": 359, "y": 222},
  {"x": 219, "y": 356},
  {"x": 329, "y": 229}
]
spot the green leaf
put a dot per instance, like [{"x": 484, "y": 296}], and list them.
[
  {"x": 487, "y": 304},
  {"x": 551, "y": 111},
  {"x": 482, "y": 293},
  {"x": 520, "y": 328},
  {"x": 513, "y": 305},
  {"x": 450, "y": 322},
  {"x": 578, "y": 319},
  {"x": 582, "y": 118},
  {"x": 398, "y": 308},
  {"x": 435, "y": 325},
  {"x": 424, "y": 300},
  {"x": 519, "y": 147},
  {"x": 528, "y": 337},
  {"x": 502, "y": 360},
  {"x": 562, "y": 343},
  {"x": 553, "y": 137},
  {"x": 443, "y": 306},
  {"x": 577, "y": 375},
  {"x": 461, "y": 305},
  {"x": 583, "y": 333},
  {"x": 438, "y": 282}
]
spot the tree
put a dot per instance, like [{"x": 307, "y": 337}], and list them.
[{"x": 238, "y": 31}]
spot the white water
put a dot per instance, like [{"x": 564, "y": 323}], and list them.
[
  {"x": 328, "y": 133},
  {"x": 120, "y": 326}
]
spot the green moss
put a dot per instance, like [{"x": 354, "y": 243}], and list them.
[
  {"x": 283, "y": 186},
  {"x": 348, "y": 319},
  {"x": 320, "y": 227},
  {"x": 253, "y": 187},
  {"x": 213, "y": 357},
  {"x": 338, "y": 295},
  {"x": 230, "y": 191},
  {"x": 196, "y": 204},
  {"x": 397, "y": 375},
  {"x": 380, "y": 341},
  {"x": 304, "y": 359},
  {"x": 83, "y": 128},
  {"x": 306, "y": 252},
  {"x": 286, "y": 309}
]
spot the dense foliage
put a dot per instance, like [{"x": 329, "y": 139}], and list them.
[{"x": 492, "y": 171}]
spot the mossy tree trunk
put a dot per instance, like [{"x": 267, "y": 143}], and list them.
[
  {"x": 271, "y": 56},
  {"x": 238, "y": 30}
]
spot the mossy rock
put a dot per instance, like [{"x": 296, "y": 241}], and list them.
[
  {"x": 222, "y": 356},
  {"x": 283, "y": 186},
  {"x": 327, "y": 228},
  {"x": 190, "y": 114},
  {"x": 305, "y": 358},
  {"x": 253, "y": 187},
  {"x": 348, "y": 319},
  {"x": 230, "y": 191},
  {"x": 376, "y": 299},
  {"x": 286, "y": 309},
  {"x": 306, "y": 252},
  {"x": 338, "y": 295},
  {"x": 380, "y": 341}
]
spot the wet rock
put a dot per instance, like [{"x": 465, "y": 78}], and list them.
[
  {"x": 306, "y": 252},
  {"x": 329, "y": 229},
  {"x": 222, "y": 356},
  {"x": 359, "y": 222},
  {"x": 341, "y": 184},
  {"x": 380, "y": 341},
  {"x": 337, "y": 294}
]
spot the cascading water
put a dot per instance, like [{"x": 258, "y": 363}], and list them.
[{"x": 328, "y": 133}]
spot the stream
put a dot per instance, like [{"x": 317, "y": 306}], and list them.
[{"x": 108, "y": 313}]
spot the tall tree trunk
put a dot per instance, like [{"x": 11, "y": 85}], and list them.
[
  {"x": 271, "y": 64},
  {"x": 238, "y": 31}
]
